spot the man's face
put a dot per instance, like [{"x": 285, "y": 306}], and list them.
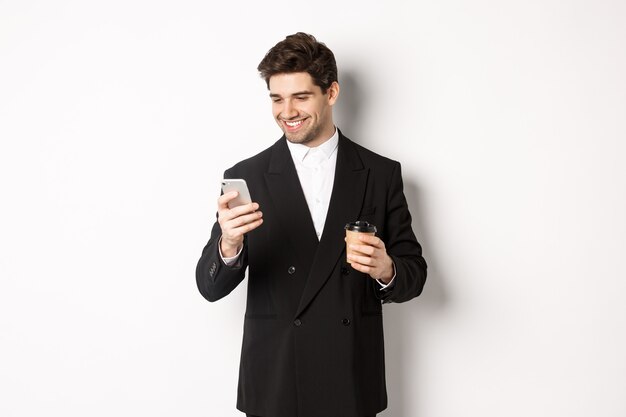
[{"x": 301, "y": 110}]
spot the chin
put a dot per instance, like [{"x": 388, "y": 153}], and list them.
[{"x": 297, "y": 139}]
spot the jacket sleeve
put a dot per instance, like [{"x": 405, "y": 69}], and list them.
[
  {"x": 214, "y": 278},
  {"x": 402, "y": 246}
]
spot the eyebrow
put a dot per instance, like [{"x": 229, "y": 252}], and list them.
[{"x": 298, "y": 93}]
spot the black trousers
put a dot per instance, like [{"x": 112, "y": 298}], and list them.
[{"x": 250, "y": 415}]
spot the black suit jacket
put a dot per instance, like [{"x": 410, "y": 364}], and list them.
[{"x": 313, "y": 330}]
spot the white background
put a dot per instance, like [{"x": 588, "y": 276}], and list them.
[{"x": 118, "y": 118}]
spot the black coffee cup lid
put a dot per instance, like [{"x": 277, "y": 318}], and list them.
[{"x": 361, "y": 227}]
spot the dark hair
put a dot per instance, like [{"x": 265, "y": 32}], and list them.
[{"x": 300, "y": 53}]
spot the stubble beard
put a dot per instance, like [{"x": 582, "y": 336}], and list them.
[{"x": 304, "y": 137}]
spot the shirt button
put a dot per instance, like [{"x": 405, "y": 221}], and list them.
[
  {"x": 291, "y": 270},
  {"x": 345, "y": 322},
  {"x": 297, "y": 322}
]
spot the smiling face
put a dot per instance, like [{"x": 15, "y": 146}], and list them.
[{"x": 301, "y": 110}]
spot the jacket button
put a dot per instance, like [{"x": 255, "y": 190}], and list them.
[
  {"x": 345, "y": 322},
  {"x": 297, "y": 322},
  {"x": 345, "y": 270},
  {"x": 291, "y": 270}
]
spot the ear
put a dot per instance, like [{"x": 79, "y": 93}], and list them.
[{"x": 333, "y": 93}]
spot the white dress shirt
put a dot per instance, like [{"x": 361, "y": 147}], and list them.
[{"x": 316, "y": 172}]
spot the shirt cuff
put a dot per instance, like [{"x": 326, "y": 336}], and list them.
[
  {"x": 382, "y": 284},
  {"x": 232, "y": 260}
]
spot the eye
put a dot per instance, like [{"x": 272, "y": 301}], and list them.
[
  {"x": 302, "y": 98},
  {"x": 277, "y": 100}
]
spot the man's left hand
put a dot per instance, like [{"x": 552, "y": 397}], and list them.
[{"x": 372, "y": 258}]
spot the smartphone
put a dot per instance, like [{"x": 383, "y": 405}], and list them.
[{"x": 241, "y": 187}]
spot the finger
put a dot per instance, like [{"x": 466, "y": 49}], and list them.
[
  {"x": 362, "y": 260},
  {"x": 248, "y": 227},
  {"x": 244, "y": 209},
  {"x": 224, "y": 199},
  {"x": 365, "y": 249},
  {"x": 371, "y": 240},
  {"x": 243, "y": 220},
  {"x": 360, "y": 267},
  {"x": 225, "y": 214}
]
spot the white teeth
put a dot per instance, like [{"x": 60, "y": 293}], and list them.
[{"x": 294, "y": 124}]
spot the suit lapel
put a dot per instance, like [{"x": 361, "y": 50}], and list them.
[
  {"x": 345, "y": 204},
  {"x": 288, "y": 198}
]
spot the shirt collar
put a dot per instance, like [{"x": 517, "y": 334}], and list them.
[{"x": 299, "y": 150}]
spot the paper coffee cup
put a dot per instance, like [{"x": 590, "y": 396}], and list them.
[{"x": 353, "y": 230}]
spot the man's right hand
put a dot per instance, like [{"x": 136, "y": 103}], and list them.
[{"x": 235, "y": 223}]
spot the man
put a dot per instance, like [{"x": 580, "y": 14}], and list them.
[{"x": 313, "y": 329}]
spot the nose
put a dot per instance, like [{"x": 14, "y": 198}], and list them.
[{"x": 289, "y": 111}]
